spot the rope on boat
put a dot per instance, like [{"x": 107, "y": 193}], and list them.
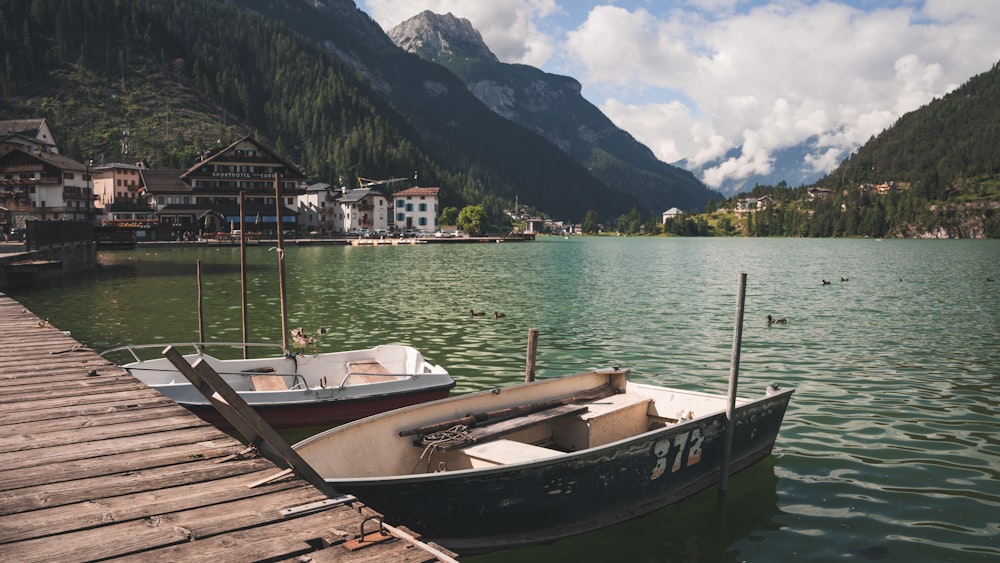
[{"x": 450, "y": 436}]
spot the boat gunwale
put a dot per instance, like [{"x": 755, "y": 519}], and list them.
[{"x": 320, "y": 401}]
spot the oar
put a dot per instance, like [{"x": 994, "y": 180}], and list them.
[{"x": 472, "y": 419}]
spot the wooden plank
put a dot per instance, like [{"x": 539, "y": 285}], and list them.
[
  {"x": 246, "y": 420},
  {"x": 79, "y": 422},
  {"x": 121, "y": 464},
  {"x": 70, "y": 400},
  {"x": 262, "y": 382},
  {"x": 36, "y": 438},
  {"x": 160, "y": 496},
  {"x": 326, "y": 530},
  {"x": 88, "y": 411},
  {"x": 369, "y": 371},
  {"x": 136, "y": 446},
  {"x": 367, "y": 366},
  {"x": 159, "y": 530}
]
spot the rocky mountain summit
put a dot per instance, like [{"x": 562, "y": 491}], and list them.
[
  {"x": 552, "y": 106},
  {"x": 436, "y": 38}
]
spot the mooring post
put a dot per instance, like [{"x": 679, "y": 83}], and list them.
[
  {"x": 734, "y": 373},
  {"x": 243, "y": 272},
  {"x": 278, "y": 204},
  {"x": 529, "y": 369},
  {"x": 201, "y": 315}
]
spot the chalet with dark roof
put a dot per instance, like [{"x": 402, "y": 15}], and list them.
[{"x": 206, "y": 197}]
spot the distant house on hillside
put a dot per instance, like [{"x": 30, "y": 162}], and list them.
[
  {"x": 746, "y": 204},
  {"x": 671, "y": 213},
  {"x": 818, "y": 193},
  {"x": 416, "y": 208}
]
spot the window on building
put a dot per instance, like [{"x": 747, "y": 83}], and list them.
[
  {"x": 400, "y": 217},
  {"x": 422, "y": 221},
  {"x": 409, "y": 207},
  {"x": 422, "y": 207},
  {"x": 400, "y": 203}
]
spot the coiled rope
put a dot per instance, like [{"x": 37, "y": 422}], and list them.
[{"x": 448, "y": 437}]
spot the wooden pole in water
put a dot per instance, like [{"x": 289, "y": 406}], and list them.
[
  {"x": 529, "y": 369},
  {"x": 201, "y": 315},
  {"x": 278, "y": 204},
  {"x": 243, "y": 272},
  {"x": 734, "y": 372}
]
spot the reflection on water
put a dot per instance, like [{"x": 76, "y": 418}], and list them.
[{"x": 889, "y": 449}]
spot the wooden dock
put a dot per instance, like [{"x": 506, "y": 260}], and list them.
[{"x": 95, "y": 465}]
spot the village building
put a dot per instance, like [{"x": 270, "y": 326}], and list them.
[
  {"x": 363, "y": 210},
  {"x": 534, "y": 225},
  {"x": 45, "y": 186},
  {"x": 36, "y": 182},
  {"x": 416, "y": 208},
  {"x": 206, "y": 197},
  {"x": 765, "y": 201},
  {"x": 671, "y": 213},
  {"x": 818, "y": 193},
  {"x": 317, "y": 212},
  {"x": 119, "y": 195},
  {"x": 28, "y": 135}
]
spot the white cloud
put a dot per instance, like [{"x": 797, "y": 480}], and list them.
[
  {"x": 508, "y": 26},
  {"x": 696, "y": 78},
  {"x": 776, "y": 75}
]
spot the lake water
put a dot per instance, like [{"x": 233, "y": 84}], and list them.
[{"x": 890, "y": 447}]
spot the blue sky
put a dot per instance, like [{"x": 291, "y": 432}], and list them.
[{"x": 693, "y": 79}]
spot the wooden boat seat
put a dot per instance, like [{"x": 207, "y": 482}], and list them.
[
  {"x": 268, "y": 382},
  {"x": 502, "y": 452},
  {"x": 369, "y": 370},
  {"x": 607, "y": 420}
]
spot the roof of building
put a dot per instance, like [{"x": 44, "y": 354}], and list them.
[
  {"x": 164, "y": 181},
  {"x": 29, "y": 127},
  {"x": 57, "y": 160},
  {"x": 358, "y": 195},
  {"x": 291, "y": 171},
  {"x": 129, "y": 164},
  {"x": 416, "y": 191}
]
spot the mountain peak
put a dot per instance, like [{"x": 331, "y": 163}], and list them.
[{"x": 436, "y": 37}]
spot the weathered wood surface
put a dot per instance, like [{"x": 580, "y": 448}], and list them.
[{"x": 96, "y": 465}]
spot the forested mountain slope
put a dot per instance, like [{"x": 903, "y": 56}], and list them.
[{"x": 187, "y": 75}]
